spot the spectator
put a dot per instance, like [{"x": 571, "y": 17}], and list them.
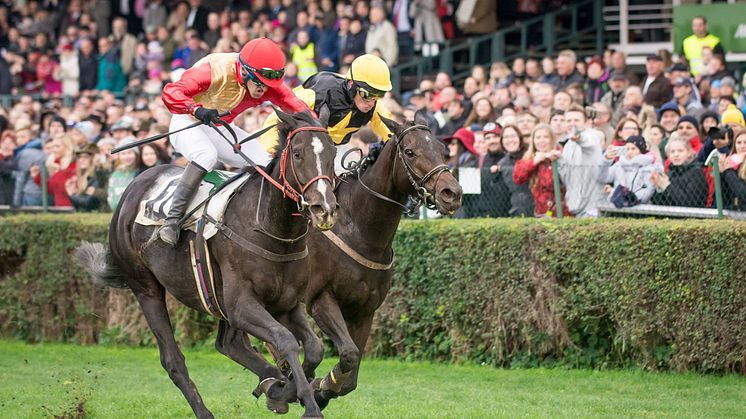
[
  {"x": 557, "y": 123},
  {"x": 110, "y": 74},
  {"x": 461, "y": 150},
  {"x": 535, "y": 168},
  {"x": 682, "y": 89},
  {"x": 691, "y": 47},
  {"x": 28, "y": 152},
  {"x": 152, "y": 155},
  {"x": 428, "y": 30},
  {"x": 196, "y": 52},
  {"x": 124, "y": 42},
  {"x": 455, "y": 117},
  {"x": 354, "y": 43},
  {"x": 562, "y": 101},
  {"x": 212, "y": 35},
  {"x": 302, "y": 24},
  {"x": 657, "y": 89},
  {"x": 596, "y": 85},
  {"x": 733, "y": 172},
  {"x": 87, "y": 189},
  {"x": 87, "y": 66},
  {"x": 619, "y": 64},
  {"x": 481, "y": 114},
  {"x": 521, "y": 200},
  {"x": 303, "y": 55},
  {"x": 8, "y": 167},
  {"x": 633, "y": 100},
  {"x": 684, "y": 183},
  {"x": 626, "y": 128},
  {"x": 566, "y": 72},
  {"x": 669, "y": 117},
  {"x": 688, "y": 129},
  {"x": 127, "y": 168},
  {"x": 657, "y": 139},
  {"x": 155, "y": 16},
  {"x": 60, "y": 166},
  {"x": 382, "y": 37},
  {"x": 733, "y": 118},
  {"x": 550, "y": 76},
  {"x": 68, "y": 71},
  {"x": 197, "y": 17},
  {"x": 717, "y": 138},
  {"x": 632, "y": 170},
  {"x": 615, "y": 96},
  {"x": 494, "y": 200},
  {"x": 579, "y": 165},
  {"x": 601, "y": 120},
  {"x": 708, "y": 120},
  {"x": 46, "y": 68},
  {"x": 327, "y": 52},
  {"x": 526, "y": 121}
]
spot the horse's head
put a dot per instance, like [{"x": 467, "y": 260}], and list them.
[
  {"x": 307, "y": 166},
  {"x": 423, "y": 172}
]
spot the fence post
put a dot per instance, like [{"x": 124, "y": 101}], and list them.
[
  {"x": 548, "y": 33},
  {"x": 557, "y": 188},
  {"x": 718, "y": 187},
  {"x": 44, "y": 197},
  {"x": 598, "y": 24}
]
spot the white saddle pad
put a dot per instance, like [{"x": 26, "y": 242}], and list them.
[{"x": 157, "y": 201}]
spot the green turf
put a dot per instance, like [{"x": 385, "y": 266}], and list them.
[{"x": 112, "y": 382}]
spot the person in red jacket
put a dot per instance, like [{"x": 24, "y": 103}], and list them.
[
  {"x": 60, "y": 166},
  {"x": 219, "y": 83},
  {"x": 536, "y": 168}
]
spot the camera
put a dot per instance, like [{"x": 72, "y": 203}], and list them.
[
  {"x": 717, "y": 133},
  {"x": 591, "y": 112}
]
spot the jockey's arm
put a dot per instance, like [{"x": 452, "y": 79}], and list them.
[
  {"x": 377, "y": 125},
  {"x": 179, "y": 96},
  {"x": 271, "y": 138}
]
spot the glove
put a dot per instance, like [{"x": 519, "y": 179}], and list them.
[
  {"x": 206, "y": 115},
  {"x": 374, "y": 150}
]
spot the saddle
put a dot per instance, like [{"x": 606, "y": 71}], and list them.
[{"x": 218, "y": 186}]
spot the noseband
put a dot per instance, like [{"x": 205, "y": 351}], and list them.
[{"x": 421, "y": 196}]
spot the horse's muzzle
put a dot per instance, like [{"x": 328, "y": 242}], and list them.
[
  {"x": 448, "y": 198},
  {"x": 323, "y": 216}
]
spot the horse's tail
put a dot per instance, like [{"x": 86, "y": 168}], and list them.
[{"x": 96, "y": 259}]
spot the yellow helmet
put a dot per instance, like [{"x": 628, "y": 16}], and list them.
[{"x": 370, "y": 70}]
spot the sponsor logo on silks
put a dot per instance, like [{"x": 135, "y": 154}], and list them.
[{"x": 740, "y": 31}]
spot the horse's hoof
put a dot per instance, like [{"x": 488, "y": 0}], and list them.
[
  {"x": 316, "y": 384},
  {"x": 277, "y": 406}
]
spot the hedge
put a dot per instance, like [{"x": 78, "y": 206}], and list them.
[{"x": 512, "y": 293}]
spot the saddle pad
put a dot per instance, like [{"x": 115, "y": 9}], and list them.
[{"x": 157, "y": 201}]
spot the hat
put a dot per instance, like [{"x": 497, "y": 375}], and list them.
[
  {"x": 94, "y": 118},
  {"x": 417, "y": 92},
  {"x": 690, "y": 119},
  {"x": 124, "y": 123},
  {"x": 492, "y": 128},
  {"x": 107, "y": 141},
  {"x": 679, "y": 67},
  {"x": 86, "y": 128},
  {"x": 683, "y": 81},
  {"x": 129, "y": 140},
  {"x": 466, "y": 137},
  {"x": 639, "y": 142},
  {"x": 655, "y": 57},
  {"x": 668, "y": 106},
  {"x": 733, "y": 115},
  {"x": 727, "y": 81},
  {"x": 90, "y": 148},
  {"x": 617, "y": 75}
]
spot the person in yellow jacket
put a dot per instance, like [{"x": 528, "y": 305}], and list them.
[
  {"x": 344, "y": 104},
  {"x": 691, "y": 47}
]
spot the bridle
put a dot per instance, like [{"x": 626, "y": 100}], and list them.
[
  {"x": 421, "y": 196},
  {"x": 288, "y": 190}
]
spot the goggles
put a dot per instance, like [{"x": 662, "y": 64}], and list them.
[
  {"x": 369, "y": 94},
  {"x": 267, "y": 73}
]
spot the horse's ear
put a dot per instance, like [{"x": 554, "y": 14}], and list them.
[
  {"x": 420, "y": 119},
  {"x": 392, "y": 125},
  {"x": 287, "y": 119}
]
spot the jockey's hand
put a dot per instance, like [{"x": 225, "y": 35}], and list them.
[
  {"x": 374, "y": 150},
  {"x": 207, "y": 115}
]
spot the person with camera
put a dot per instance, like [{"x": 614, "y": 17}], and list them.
[
  {"x": 684, "y": 183},
  {"x": 579, "y": 165},
  {"x": 720, "y": 139},
  {"x": 628, "y": 180}
]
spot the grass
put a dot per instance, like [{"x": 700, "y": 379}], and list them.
[{"x": 54, "y": 380}]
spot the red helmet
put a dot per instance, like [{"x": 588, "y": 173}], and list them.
[{"x": 261, "y": 59}]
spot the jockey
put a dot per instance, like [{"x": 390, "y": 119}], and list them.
[
  {"x": 219, "y": 83},
  {"x": 344, "y": 103}
]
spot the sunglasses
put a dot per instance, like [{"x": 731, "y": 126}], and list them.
[
  {"x": 254, "y": 79},
  {"x": 267, "y": 73},
  {"x": 371, "y": 94}
]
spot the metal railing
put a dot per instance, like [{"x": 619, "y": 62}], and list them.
[{"x": 553, "y": 30}]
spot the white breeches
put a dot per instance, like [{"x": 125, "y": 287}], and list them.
[{"x": 206, "y": 147}]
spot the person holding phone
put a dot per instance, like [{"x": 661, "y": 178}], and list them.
[{"x": 632, "y": 170}]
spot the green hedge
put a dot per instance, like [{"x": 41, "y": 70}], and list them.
[{"x": 610, "y": 293}]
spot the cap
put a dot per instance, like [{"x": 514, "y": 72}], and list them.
[
  {"x": 727, "y": 81},
  {"x": 86, "y": 128},
  {"x": 492, "y": 128},
  {"x": 679, "y": 67},
  {"x": 683, "y": 81},
  {"x": 668, "y": 106},
  {"x": 417, "y": 92},
  {"x": 106, "y": 141},
  {"x": 618, "y": 75},
  {"x": 639, "y": 142},
  {"x": 129, "y": 140},
  {"x": 690, "y": 119},
  {"x": 466, "y": 138},
  {"x": 655, "y": 57},
  {"x": 122, "y": 124}
]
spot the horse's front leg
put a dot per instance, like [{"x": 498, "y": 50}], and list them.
[{"x": 313, "y": 348}]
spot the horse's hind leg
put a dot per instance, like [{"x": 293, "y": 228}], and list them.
[
  {"x": 234, "y": 344},
  {"x": 153, "y": 303},
  {"x": 251, "y": 317}
]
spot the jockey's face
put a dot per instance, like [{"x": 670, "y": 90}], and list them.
[
  {"x": 364, "y": 105},
  {"x": 256, "y": 90}
]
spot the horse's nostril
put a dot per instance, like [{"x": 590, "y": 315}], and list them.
[
  {"x": 448, "y": 194},
  {"x": 317, "y": 210}
]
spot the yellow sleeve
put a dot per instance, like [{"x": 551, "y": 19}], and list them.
[
  {"x": 270, "y": 139},
  {"x": 377, "y": 125}
]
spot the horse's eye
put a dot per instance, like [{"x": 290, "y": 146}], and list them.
[
  {"x": 409, "y": 153},
  {"x": 296, "y": 155}
]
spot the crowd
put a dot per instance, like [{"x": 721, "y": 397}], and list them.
[{"x": 616, "y": 137}]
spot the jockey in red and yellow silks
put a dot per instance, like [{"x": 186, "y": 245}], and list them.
[{"x": 219, "y": 83}]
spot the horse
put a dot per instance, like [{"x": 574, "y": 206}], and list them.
[
  {"x": 259, "y": 263},
  {"x": 342, "y": 297}
]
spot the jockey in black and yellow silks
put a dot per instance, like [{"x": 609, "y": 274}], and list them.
[{"x": 344, "y": 103}]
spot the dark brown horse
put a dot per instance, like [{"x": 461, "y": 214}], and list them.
[
  {"x": 258, "y": 295},
  {"x": 343, "y": 297}
]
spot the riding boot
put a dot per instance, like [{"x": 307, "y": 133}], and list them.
[{"x": 188, "y": 185}]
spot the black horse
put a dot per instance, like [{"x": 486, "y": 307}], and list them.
[
  {"x": 343, "y": 297},
  {"x": 259, "y": 295}
]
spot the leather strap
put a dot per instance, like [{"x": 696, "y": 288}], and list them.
[
  {"x": 255, "y": 249},
  {"x": 357, "y": 257}
]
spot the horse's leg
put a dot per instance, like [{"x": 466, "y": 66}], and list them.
[
  {"x": 328, "y": 316},
  {"x": 359, "y": 332},
  {"x": 235, "y": 344},
  {"x": 153, "y": 306},
  {"x": 313, "y": 347},
  {"x": 251, "y": 317}
]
